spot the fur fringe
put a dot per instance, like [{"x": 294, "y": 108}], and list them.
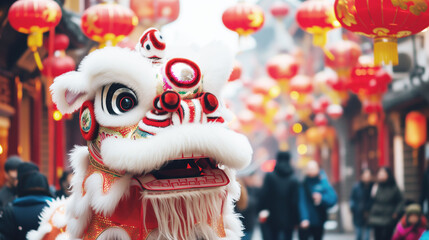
[{"x": 177, "y": 212}]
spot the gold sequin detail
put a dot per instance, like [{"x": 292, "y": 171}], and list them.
[{"x": 99, "y": 224}]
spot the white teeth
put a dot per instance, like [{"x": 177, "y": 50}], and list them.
[{"x": 192, "y": 155}]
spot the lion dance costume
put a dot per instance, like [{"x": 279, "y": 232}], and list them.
[{"x": 160, "y": 160}]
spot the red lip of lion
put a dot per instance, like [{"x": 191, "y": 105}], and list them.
[{"x": 160, "y": 160}]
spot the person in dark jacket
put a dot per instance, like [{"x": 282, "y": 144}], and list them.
[
  {"x": 23, "y": 215},
  {"x": 65, "y": 189},
  {"x": 387, "y": 205},
  {"x": 424, "y": 197},
  {"x": 279, "y": 199},
  {"x": 360, "y": 204},
  {"x": 316, "y": 196},
  {"x": 8, "y": 191}
]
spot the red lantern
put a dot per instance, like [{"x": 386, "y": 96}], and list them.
[
  {"x": 236, "y": 72},
  {"x": 372, "y": 107},
  {"x": 320, "y": 120},
  {"x": 415, "y": 129},
  {"x": 345, "y": 57},
  {"x": 334, "y": 111},
  {"x": 108, "y": 23},
  {"x": 59, "y": 63},
  {"x": 301, "y": 84},
  {"x": 282, "y": 67},
  {"x": 385, "y": 21},
  {"x": 317, "y": 17},
  {"x": 263, "y": 86},
  {"x": 34, "y": 17},
  {"x": 243, "y": 18},
  {"x": 368, "y": 79},
  {"x": 279, "y": 10},
  {"x": 155, "y": 12}
]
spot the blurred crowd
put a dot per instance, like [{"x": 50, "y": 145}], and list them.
[
  {"x": 287, "y": 202},
  {"x": 25, "y": 193},
  {"x": 283, "y": 204}
]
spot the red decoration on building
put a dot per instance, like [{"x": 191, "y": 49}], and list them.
[
  {"x": 279, "y": 9},
  {"x": 108, "y": 23},
  {"x": 243, "y": 18},
  {"x": 317, "y": 17},
  {"x": 385, "y": 21},
  {"x": 155, "y": 12},
  {"x": 34, "y": 17}
]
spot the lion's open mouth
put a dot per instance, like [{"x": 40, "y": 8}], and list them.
[{"x": 187, "y": 173}]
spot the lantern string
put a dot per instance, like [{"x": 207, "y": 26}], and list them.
[
  {"x": 328, "y": 53},
  {"x": 38, "y": 60}
]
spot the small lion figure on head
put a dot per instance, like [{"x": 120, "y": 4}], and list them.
[{"x": 160, "y": 159}]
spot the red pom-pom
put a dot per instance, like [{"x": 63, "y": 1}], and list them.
[
  {"x": 170, "y": 101},
  {"x": 209, "y": 103}
]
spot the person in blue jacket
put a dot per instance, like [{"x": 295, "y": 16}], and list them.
[
  {"x": 360, "y": 204},
  {"x": 33, "y": 196},
  {"x": 316, "y": 196}
]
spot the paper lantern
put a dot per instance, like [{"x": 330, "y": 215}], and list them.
[
  {"x": 108, "y": 23},
  {"x": 320, "y": 120},
  {"x": 415, "y": 129},
  {"x": 279, "y": 10},
  {"x": 301, "y": 84},
  {"x": 314, "y": 135},
  {"x": 58, "y": 63},
  {"x": 368, "y": 79},
  {"x": 236, "y": 72},
  {"x": 243, "y": 18},
  {"x": 155, "y": 13},
  {"x": 317, "y": 17},
  {"x": 385, "y": 21},
  {"x": 345, "y": 57},
  {"x": 334, "y": 111},
  {"x": 282, "y": 67},
  {"x": 34, "y": 17}
]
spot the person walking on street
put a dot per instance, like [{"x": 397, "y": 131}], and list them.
[
  {"x": 279, "y": 199},
  {"x": 360, "y": 204},
  {"x": 412, "y": 225},
  {"x": 316, "y": 196},
  {"x": 387, "y": 205},
  {"x": 23, "y": 215},
  {"x": 8, "y": 191}
]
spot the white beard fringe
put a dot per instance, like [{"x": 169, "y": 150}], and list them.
[{"x": 200, "y": 206}]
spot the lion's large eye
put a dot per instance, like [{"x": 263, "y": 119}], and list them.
[{"x": 117, "y": 99}]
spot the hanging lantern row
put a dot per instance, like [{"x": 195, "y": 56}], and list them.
[
  {"x": 279, "y": 10},
  {"x": 34, "y": 17},
  {"x": 383, "y": 21},
  {"x": 244, "y": 18},
  {"x": 317, "y": 18},
  {"x": 108, "y": 23},
  {"x": 155, "y": 13}
]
